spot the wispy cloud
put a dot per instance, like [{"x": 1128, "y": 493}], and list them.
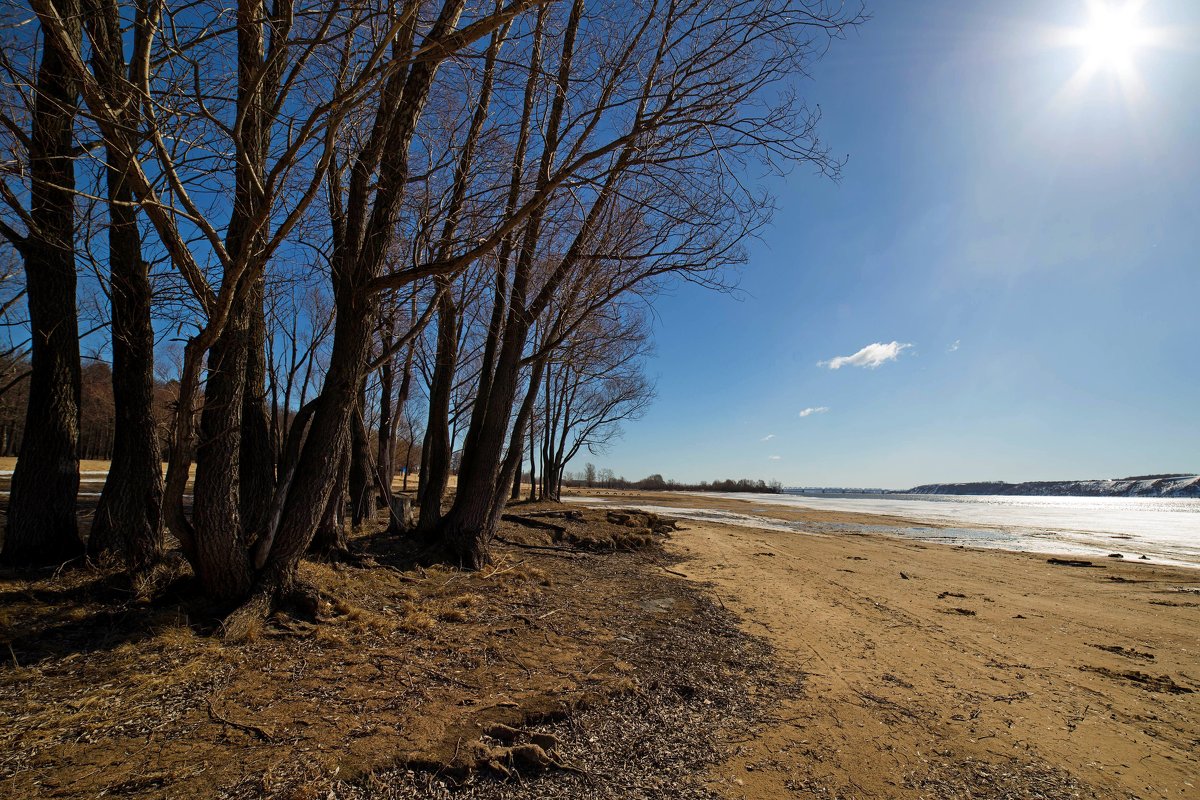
[
  {"x": 953, "y": 347},
  {"x": 767, "y": 438},
  {"x": 808, "y": 412},
  {"x": 774, "y": 458},
  {"x": 871, "y": 356}
]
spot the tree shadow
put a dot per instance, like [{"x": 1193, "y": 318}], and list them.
[
  {"x": 400, "y": 551},
  {"x": 96, "y": 614}
]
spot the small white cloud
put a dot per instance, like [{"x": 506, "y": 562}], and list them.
[
  {"x": 774, "y": 458},
  {"x": 808, "y": 412},
  {"x": 953, "y": 347},
  {"x": 767, "y": 438},
  {"x": 871, "y": 356}
]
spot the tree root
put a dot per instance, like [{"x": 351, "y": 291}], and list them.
[
  {"x": 241, "y": 726},
  {"x": 557, "y": 531},
  {"x": 572, "y": 551},
  {"x": 571, "y": 514},
  {"x": 247, "y": 620},
  {"x": 155, "y": 578},
  {"x": 512, "y": 756}
]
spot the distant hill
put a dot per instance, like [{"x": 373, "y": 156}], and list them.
[{"x": 1138, "y": 486}]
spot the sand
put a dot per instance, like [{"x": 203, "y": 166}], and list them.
[{"x": 929, "y": 669}]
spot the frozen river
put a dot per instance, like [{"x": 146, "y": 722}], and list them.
[{"x": 1163, "y": 530}]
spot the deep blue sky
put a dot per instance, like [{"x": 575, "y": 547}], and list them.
[{"x": 1047, "y": 222}]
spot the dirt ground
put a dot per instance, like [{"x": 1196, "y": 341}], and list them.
[
  {"x": 940, "y": 672},
  {"x": 409, "y": 682}
]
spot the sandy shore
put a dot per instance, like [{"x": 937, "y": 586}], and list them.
[{"x": 928, "y": 667}]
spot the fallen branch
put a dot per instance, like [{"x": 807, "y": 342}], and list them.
[
  {"x": 245, "y": 728},
  {"x": 558, "y": 530},
  {"x": 567, "y": 550},
  {"x": 571, "y": 515}
]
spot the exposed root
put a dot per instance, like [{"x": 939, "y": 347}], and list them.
[
  {"x": 241, "y": 726},
  {"x": 153, "y": 581},
  {"x": 543, "y": 547},
  {"x": 511, "y": 756},
  {"x": 245, "y": 622},
  {"x": 557, "y": 531},
  {"x": 343, "y": 555}
]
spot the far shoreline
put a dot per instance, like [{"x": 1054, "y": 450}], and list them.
[{"x": 731, "y": 508}]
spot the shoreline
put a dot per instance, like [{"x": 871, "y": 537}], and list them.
[
  {"x": 757, "y": 512},
  {"x": 930, "y": 670}
]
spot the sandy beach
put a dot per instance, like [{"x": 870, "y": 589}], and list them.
[{"x": 928, "y": 667}]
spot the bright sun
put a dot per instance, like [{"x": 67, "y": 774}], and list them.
[{"x": 1112, "y": 36}]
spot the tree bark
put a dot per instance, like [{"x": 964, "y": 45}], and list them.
[
  {"x": 230, "y": 494},
  {"x": 385, "y": 440},
  {"x": 466, "y": 530},
  {"x": 222, "y": 560},
  {"x": 363, "y": 482},
  {"x": 256, "y": 471},
  {"x": 330, "y": 538},
  {"x": 129, "y": 516},
  {"x": 435, "y": 455},
  {"x": 483, "y": 480},
  {"x": 42, "y": 528}
]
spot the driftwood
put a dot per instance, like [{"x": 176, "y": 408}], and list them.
[
  {"x": 557, "y": 530},
  {"x": 574, "y": 516},
  {"x": 632, "y": 518}
]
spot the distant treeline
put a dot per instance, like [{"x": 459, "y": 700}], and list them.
[
  {"x": 97, "y": 410},
  {"x": 605, "y": 479}
]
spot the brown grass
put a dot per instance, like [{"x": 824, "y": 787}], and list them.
[{"x": 106, "y": 694}]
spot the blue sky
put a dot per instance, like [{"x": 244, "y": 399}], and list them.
[{"x": 1046, "y": 221}]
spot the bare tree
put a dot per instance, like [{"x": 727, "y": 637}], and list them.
[
  {"x": 42, "y": 528},
  {"x": 682, "y": 104},
  {"x": 594, "y": 382},
  {"x": 513, "y": 169},
  {"x": 128, "y": 518}
]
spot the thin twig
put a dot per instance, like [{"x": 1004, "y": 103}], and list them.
[{"x": 254, "y": 729}]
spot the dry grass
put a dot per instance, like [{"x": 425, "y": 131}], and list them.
[{"x": 108, "y": 694}]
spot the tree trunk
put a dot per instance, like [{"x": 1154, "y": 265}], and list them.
[
  {"x": 364, "y": 230},
  {"x": 467, "y": 529},
  {"x": 232, "y": 489},
  {"x": 256, "y": 471},
  {"x": 515, "y": 494},
  {"x": 129, "y": 516},
  {"x": 533, "y": 492},
  {"x": 435, "y": 454},
  {"x": 363, "y": 481},
  {"x": 483, "y": 480},
  {"x": 330, "y": 538},
  {"x": 385, "y": 441},
  {"x": 327, "y": 443},
  {"x": 42, "y": 528},
  {"x": 222, "y": 560}
]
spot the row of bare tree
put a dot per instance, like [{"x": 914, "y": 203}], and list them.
[{"x": 485, "y": 193}]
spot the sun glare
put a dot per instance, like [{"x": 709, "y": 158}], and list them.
[
  {"x": 1111, "y": 37},
  {"x": 1109, "y": 42}
]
